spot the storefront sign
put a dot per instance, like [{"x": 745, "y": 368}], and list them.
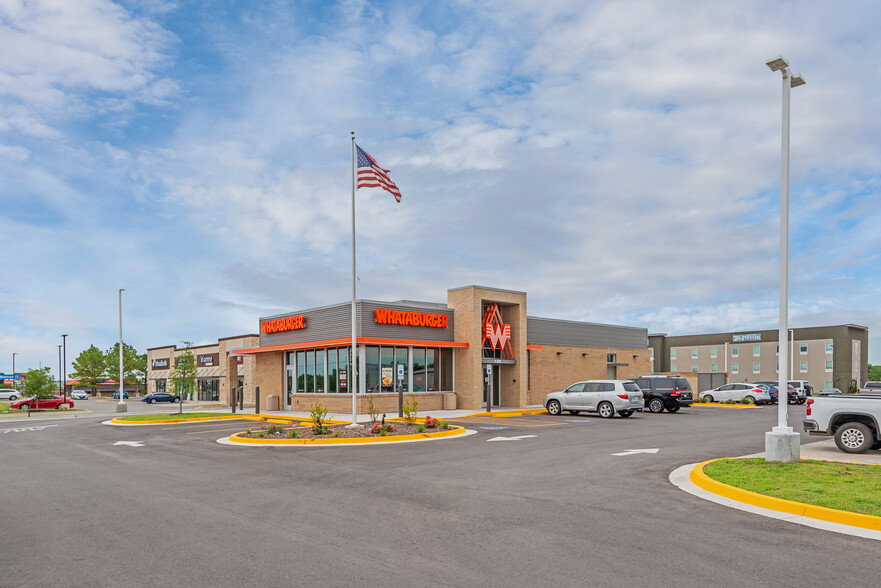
[
  {"x": 413, "y": 319},
  {"x": 497, "y": 333},
  {"x": 746, "y": 338},
  {"x": 342, "y": 377},
  {"x": 288, "y": 323},
  {"x": 160, "y": 364},
  {"x": 208, "y": 360},
  {"x": 387, "y": 376}
]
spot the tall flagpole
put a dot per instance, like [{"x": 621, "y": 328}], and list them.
[{"x": 353, "y": 374}]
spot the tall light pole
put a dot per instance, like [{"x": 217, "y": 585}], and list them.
[
  {"x": 781, "y": 442},
  {"x": 59, "y": 368},
  {"x": 121, "y": 406},
  {"x": 64, "y": 365},
  {"x": 14, "y": 381}
]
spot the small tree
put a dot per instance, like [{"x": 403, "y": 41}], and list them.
[
  {"x": 134, "y": 365},
  {"x": 183, "y": 377},
  {"x": 39, "y": 383},
  {"x": 90, "y": 367}
]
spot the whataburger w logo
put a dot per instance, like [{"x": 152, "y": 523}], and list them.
[{"x": 497, "y": 333}]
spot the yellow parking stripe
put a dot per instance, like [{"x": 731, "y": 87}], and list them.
[{"x": 511, "y": 422}]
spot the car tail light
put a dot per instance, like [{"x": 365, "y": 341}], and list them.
[
  {"x": 675, "y": 393},
  {"x": 758, "y": 390},
  {"x": 810, "y": 402},
  {"x": 623, "y": 396}
]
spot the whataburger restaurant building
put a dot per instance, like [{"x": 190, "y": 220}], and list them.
[{"x": 480, "y": 344}]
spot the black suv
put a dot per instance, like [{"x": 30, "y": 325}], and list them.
[
  {"x": 660, "y": 392},
  {"x": 791, "y": 396}
]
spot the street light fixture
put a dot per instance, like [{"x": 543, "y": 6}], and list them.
[
  {"x": 121, "y": 406},
  {"x": 781, "y": 442}
]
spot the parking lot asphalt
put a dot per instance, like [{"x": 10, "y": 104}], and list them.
[{"x": 528, "y": 500}]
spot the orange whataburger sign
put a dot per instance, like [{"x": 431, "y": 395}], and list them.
[
  {"x": 288, "y": 323},
  {"x": 496, "y": 333},
  {"x": 414, "y": 319}
]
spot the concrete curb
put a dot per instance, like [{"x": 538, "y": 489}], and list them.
[
  {"x": 454, "y": 432},
  {"x": 693, "y": 480}
]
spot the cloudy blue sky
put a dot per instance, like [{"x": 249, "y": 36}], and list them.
[{"x": 619, "y": 161}]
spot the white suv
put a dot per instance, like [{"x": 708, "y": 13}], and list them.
[
  {"x": 605, "y": 397},
  {"x": 9, "y": 394}
]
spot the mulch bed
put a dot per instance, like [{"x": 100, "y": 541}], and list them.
[{"x": 339, "y": 431}]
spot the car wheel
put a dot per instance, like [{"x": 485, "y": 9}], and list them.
[
  {"x": 710, "y": 398},
  {"x": 625, "y": 413},
  {"x": 656, "y": 405},
  {"x": 177, "y": 399},
  {"x": 25, "y": 407},
  {"x": 574, "y": 412},
  {"x": 13, "y": 398},
  {"x": 750, "y": 399},
  {"x": 152, "y": 401},
  {"x": 553, "y": 407},
  {"x": 674, "y": 408},
  {"x": 606, "y": 410},
  {"x": 854, "y": 438}
]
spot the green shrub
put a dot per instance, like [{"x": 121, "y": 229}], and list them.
[
  {"x": 248, "y": 430},
  {"x": 318, "y": 412},
  {"x": 293, "y": 434},
  {"x": 420, "y": 428},
  {"x": 261, "y": 434},
  {"x": 444, "y": 425},
  {"x": 410, "y": 407},
  {"x": 371, "y": 408}
]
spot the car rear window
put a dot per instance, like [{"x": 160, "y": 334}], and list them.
[
  {"x": 631, "y": 387},
  {"x": 682, "y": 384}
]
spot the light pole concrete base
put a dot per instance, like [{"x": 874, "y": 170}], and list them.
[
  {"x": 782, "y": 444},
  {"x": 121, "y": 408}
]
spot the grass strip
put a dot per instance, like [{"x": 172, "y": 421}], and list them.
[
  {"x": 844, "y": 486},
  {"x": 4, "y": 406},
  {"x": 171, "y": 417}
]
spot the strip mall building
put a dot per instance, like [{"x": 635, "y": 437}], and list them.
[{"x": 480, "y": 343}]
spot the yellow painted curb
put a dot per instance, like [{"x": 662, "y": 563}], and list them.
[
  {"x": 119, "y": 421},
  {"x": 510, "y": 413},
  {"x": 700, "y": 479},
  {"x": 453, "y": 430},
  {"x": 720, "y": 405}
]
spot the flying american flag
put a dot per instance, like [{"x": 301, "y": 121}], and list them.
[{"x": 370, "y": 175}]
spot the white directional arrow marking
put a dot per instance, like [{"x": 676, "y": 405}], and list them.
[
  {"x": 635, "y": 451},
  {"x": 130, "y": 443},
  {"x": 510, "y": 438}
]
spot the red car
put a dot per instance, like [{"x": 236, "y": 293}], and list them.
[{"x": 35, "y": 403}]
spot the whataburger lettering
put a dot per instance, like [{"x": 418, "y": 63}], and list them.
[
  {"x": 414, "y": 319},
  {"x": 288, "y": 323}
]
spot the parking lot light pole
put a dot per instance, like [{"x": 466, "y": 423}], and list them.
[
  {"x": 64, "y": 365},
  {"x": 121, "y": 407},
  {"x": 60, "y": 383},
  {"x": 14, "y": 381},
  {"x": 781, "y": 442}
]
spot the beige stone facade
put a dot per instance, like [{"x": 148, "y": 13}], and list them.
[{"x": 223, "y": 368}]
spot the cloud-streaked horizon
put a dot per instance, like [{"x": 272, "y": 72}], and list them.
[{"x": 618, "y": 161}]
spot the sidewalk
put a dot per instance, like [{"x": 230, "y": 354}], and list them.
[{"x": 439, "y": 414}]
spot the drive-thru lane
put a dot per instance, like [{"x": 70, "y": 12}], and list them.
[{"x": 557, "y": 508}]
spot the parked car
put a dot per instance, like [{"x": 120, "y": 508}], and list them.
[
  {"x": 791, "y": 393},
  {"x": 772, "y": 391},
  {"x": 871, "y": 388},
  {"x": 664, "y": 392},
  {"x": 40, "y": 403},
  {"x": 852, "y": 419},
  {"x": 9, "y": 394},
  {"x": 803, "y": 389},
  {"x": 159, "y": 397},
  {"x": 738, "y": 392},
  {"x": 124, "y": 394},
  {"x": 829, "y": 391},
  {"x": 605, "y": 397},
  {"x": 79, "y": 395}
]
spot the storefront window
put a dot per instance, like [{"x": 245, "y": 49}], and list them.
[
  {"x": 319, "y": 371},
  {"x": 301, "y": 372},
  {"x": 387, "y": 360},
  {"x": 401, "y": 360},
  {"x": 331, "y": 371},
  {"x": 209, "y": 389},
  {"x": 419, "y": 369},
  {"x": 446, "y": 369},
  {"x": 160, "y": 386},
  {"x": 343, "y": 356},
  {"x": 430, "y": 375},
  {"x": 310, "y": 372},
  {"x": 372, "y": 373}
]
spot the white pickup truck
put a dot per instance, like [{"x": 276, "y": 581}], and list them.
[
  {"x": 871, "y": 388},
  {"x": 852, "y": 419}
]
